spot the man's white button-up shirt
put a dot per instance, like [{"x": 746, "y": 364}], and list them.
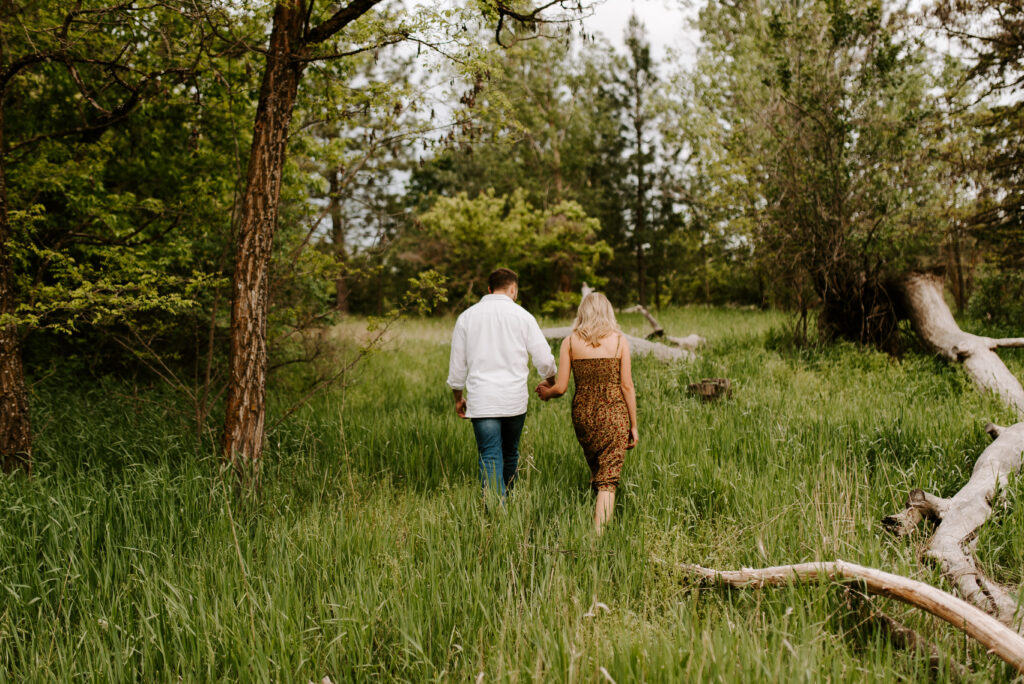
[{"x": 489, "y": 360}]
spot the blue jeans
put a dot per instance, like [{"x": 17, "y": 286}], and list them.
[{"x": 497, "y": 442}]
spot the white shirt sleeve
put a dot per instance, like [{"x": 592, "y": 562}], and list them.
[
  {"x": 457, "y": 364},
  {"x": 540, "y": 350}
]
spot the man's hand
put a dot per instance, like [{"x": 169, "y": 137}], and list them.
[
  {"x": 545, "y": 390},
  {"x": 460, "y": 403}
]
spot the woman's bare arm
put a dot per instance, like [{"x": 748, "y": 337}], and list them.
[
  {"x": 561, "y": 386},
  {"x": 628, "y": 391}
]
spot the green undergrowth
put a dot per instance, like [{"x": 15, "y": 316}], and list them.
[{"x": 368, "y": 554}]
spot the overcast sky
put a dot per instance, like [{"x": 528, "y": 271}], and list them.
[{"x": 665, "y": 21}]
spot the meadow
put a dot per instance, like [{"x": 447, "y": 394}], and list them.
[{"x": 368, "y": 555}]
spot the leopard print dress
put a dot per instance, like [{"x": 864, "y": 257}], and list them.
[{"x": 600, "y": 419}]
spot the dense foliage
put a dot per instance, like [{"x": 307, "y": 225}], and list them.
[{"x": 802, "y": 161}]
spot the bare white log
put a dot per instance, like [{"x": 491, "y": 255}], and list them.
[
  {"x": 952, "y": 545},
  {"x": 934, "y": 322},
  {"x": 691, "y": 342},
  {"x": 637, "y": 346},
  {"x": 991, "y": 633},
  {"x": 658, "y": 331}
]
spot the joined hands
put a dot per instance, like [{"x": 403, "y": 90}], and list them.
[{"x": 545, "y": 390}]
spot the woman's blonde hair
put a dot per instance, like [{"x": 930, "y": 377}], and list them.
[{"x": 595, "y": 319}]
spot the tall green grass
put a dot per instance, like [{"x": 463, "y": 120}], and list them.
[{"x": 367, "y": 553}]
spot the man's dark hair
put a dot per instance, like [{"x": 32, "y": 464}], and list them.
[{"x": 501, "y": 278}]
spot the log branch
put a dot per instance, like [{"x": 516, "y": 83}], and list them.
[
  {"x": 1005, "y": 342},
  {"x": 952, "y": 545},
  {"x": 934, "y": 323},
  {"x": 988, "y": 631},
  {"x": 637, "y": 346},
  {"x": 658, "y": 331}
]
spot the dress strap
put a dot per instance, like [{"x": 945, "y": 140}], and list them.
[
  {"x": 570, "y": 347},
  {"x": 617, "y": 345}
]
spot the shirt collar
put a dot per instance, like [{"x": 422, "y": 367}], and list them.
[{"x": 496, "y": 298}]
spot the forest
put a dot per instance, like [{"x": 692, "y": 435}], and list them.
[{"x": 234, "y": 240}]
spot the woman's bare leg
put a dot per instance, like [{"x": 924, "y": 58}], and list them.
[{"x": 604, "y": 508}]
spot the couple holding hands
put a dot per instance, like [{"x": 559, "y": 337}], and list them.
[{"x": 488, "y": 370}]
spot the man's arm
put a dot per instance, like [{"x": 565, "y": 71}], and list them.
[
  {"x": 458, "y": 368},
  {"x": 540, "y": 352}
]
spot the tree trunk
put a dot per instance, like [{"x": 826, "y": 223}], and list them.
[
  {"x": 641, "y": 276},
  {"x": 338, "y": 238},
  {"x": 15, "y": 428},
  {"x": 246, "y": 401}
]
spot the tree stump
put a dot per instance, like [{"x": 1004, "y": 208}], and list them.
[{"x": 711, "y": 389}]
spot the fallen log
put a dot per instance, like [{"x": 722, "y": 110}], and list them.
[
  {"x": 988, "y": 631},
  {"x": 637, "y": 346},
  {"x": 640, "y": 308},
  {"x": 952, "y": 544},
  {"x": 934, "y": 323},
  {"x": 690, "y": 342}
]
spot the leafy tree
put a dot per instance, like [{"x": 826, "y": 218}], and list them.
[
  {"x": 300, "y": 35},
  {"x": 553, "y": 249},
  {"x": 69, "y": 75},
  {"x": 825, "y": 107},
  {"x": 990, "y": 37}
]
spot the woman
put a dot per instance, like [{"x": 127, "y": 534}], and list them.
[{"x": 604, "y": 406}]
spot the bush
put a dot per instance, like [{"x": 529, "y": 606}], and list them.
[{"x": 998, "y": 297}]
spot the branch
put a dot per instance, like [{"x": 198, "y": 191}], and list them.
[
  {"x": 105, "y": 121},
  {"x": 952, "y": 545},
  {"x": 1006, "y": 342},
  {"x": 393, "y": 39},
  {"x": 989, "y": 632},
  {"x": 531, "y": 18},
  {"x": 318, "y": 387},
  {"x": 342, "y": 18},
  {"x": 19, "y": 64}
]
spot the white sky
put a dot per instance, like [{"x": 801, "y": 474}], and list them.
[{"x": 666, "y": 22}]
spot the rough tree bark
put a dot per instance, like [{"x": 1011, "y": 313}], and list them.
[
  {"x": 952, "y": 545},
  {"x": 245, "y": 408},
  {"x": 286, "y": 56},
  {"x": 15, "y": 426},
  {"x": 991, "y": 633}
]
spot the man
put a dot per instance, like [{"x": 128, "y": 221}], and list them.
[{"x": 490, "y": 345}]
